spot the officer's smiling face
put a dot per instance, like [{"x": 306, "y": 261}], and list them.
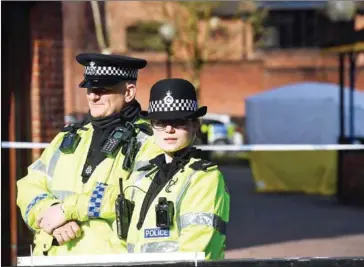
[
  {"x": 174, "y": 135},
  {"x": 106, "y": 101}
]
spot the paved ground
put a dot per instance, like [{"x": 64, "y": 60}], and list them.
[{"x": 288, "y": 225}]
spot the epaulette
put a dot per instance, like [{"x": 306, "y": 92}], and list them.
[
  {"x": 150, "y": 168},
  {"x": 145, "y": 128},
  {"x": 203, "y": 164},
  {"x": 146, "y": 167},
  {"x": 73, "y": 127}
]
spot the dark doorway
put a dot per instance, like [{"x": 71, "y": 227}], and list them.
[{"x": 15, "y": 85}]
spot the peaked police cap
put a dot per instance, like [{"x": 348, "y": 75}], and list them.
[{"x": 108, "y": 70}]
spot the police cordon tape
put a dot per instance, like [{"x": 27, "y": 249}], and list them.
[{"x": 282, "y": 147}]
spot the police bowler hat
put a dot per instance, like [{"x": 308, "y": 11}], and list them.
[{"x": 173, "y": 99}]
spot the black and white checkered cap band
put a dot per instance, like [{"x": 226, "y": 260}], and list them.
[
  {"x": 177, "y": 105},
  {"x": 111, "y": 71}
]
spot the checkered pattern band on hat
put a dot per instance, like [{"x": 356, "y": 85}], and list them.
[
  {"x": 111, "y": 71},
  {"x": 94, "y": 205},
  {"x": 176, "y": 105}
]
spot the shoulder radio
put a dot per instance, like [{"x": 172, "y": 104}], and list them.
[
  {"x": 113, "y": 142},
  {"x": 118, "y": 138}
]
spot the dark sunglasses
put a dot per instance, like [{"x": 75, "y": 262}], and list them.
[{"x": 162, "y": 124}]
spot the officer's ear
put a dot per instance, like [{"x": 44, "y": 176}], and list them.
[{"x": 130, "y": 91}]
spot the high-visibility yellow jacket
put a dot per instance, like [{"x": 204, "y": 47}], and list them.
[
  {"x": 201, "y": 211},
  {"x": 56, "y": 177}
]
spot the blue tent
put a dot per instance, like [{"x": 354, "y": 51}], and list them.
[
  {"x": 302, "y": 113},
  {"x": 292, "y": 4}
]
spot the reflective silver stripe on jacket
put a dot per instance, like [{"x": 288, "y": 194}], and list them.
[
  {"x": 137, "y": 183},
  {"x": 52, "y": 165},
  {"x": 140, "y": 163},
  {"x": 203, "y": 218},
  {"x": 130, "y": 248},
  {"x": 163, "y": 246},
  {"x": 179, "y": 198},
  {"x": 39, "y": 166},
  {"x": 141, "y": 137},
  {"x": 61, "y": 194}
]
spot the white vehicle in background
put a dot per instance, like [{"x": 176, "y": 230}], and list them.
[{"x": 221, "y": 130}]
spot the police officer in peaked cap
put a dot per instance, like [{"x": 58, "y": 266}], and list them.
[{"x": 68, "y": 196}]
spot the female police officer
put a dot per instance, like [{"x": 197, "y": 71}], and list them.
[{"x": 180, "y": 201}]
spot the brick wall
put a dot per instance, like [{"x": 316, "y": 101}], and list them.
[
  {"x": 122, "y": 14},
  {"x": 47, "y": 71},
  {"x": 224, "y": 85}
]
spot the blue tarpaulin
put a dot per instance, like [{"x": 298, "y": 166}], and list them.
[
  {"x": 292, "y": 4},
  {"x": 301, "y": 113}
]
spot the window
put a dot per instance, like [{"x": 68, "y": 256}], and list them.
[
  {"x": 298, "y": 29},
  {"x": 144, "y": 37}
]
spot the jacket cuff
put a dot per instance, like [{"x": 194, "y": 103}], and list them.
[
  {"x": 38, "y": 209},
  {"x": 75, "y": 207}
]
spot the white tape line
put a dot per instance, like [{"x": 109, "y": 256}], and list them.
[
  {"x": 23, "y": 145},
  {"x": 280, "y": 147},
  {"x": 111, "y": 260},
  {"x": 29, "y": 145}
]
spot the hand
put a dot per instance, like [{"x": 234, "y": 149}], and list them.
[
  {"x": 52, "y": 218},
  {"x": 67, "y": 232}
]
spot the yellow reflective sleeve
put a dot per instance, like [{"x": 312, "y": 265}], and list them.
[
  {"x": 100, "y": 203},
  {"x": 204, "y": 213},
  {"x": 33, "y": 196},
  {"x": 75, "y": 207}
]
